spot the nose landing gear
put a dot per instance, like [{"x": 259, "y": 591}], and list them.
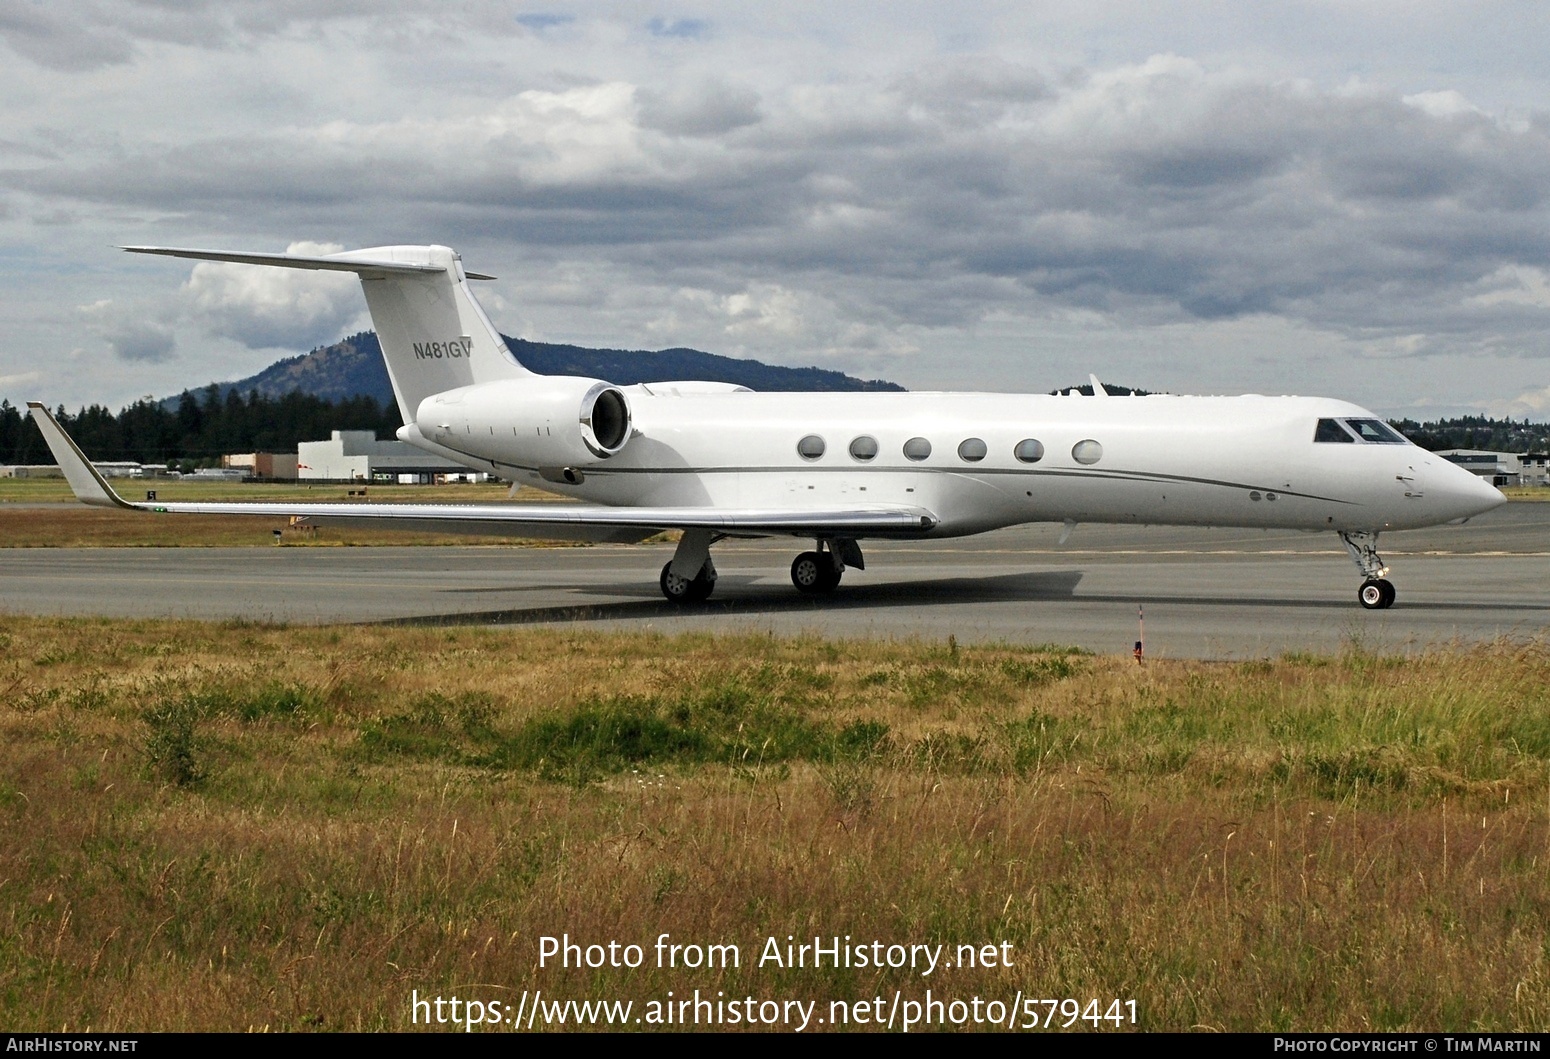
[{"x": 1376, "y": 593}]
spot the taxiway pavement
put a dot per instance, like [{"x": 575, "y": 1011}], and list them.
[{"x": 1206, "y": 593}]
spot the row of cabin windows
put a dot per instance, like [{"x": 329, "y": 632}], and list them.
[{"x": 864, "y": 449}]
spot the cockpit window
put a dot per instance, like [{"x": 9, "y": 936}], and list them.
[
  {"x": 1331, "y": 430},
  {"x": 1376, "y": 430}
]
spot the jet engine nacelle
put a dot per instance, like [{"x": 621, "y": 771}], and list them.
[{"x": 543, "y": 421}]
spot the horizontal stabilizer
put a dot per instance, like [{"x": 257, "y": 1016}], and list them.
[{"x": 328, "y": 263}]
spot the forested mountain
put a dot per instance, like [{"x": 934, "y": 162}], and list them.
[
  {"x": 354, "y": 367},
  {"x": 345, "y": 387}
]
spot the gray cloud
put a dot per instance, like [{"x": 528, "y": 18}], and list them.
[
  {"x": 50, "y": 37},
  {"x": 830, "y": 181},
  {"x": 1154, "y": 192},
  {"x": 678, "y": 27},
  {"x": 708, "y": 110},
  {"x": 538, "y": 21},
  {"x": 143, "y": 341},
  {"x": 88, "y": 36}
]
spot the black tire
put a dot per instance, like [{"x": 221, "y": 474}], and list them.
[
  {"x": 682, "y": 590},
  {"x": 1388, "y": 594},
  {"x": 1372, "y": 595},
  {"x": 811, "y": 573},
  {"x": 831, "y": 575},
  {"x": 700, "y": 588}
]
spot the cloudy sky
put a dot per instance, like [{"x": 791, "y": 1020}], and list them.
[{"x": 1335, "y": 197}]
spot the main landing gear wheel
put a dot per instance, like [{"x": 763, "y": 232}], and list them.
[
  {"x": 814, "y": 572},
  {"x": 684, "y": 590},
  {"x": 1376, "y": 594}
]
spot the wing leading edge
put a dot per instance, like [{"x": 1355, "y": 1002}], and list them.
[{"x": 530, "y": 520}]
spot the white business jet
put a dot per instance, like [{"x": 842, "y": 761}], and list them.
[{"x": 716, "y": 460}]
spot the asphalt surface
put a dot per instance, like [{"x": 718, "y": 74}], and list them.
[{"x": 1205, "y": 593}]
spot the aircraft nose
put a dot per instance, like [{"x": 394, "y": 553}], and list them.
[{"x": 1466, "y": 493}]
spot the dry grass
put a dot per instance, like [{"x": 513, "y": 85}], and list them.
[
  {"x": 224, "y": 826},
  {"x": 79, "y": 526},
  {"x": 56, "y": 490}
]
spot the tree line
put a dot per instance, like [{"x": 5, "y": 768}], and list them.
[
  {"x": 195, "y": 429},
  {"x": 1477, "y": 432}
]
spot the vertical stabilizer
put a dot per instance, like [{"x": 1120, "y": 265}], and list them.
[{"x": 434, "y": 335}]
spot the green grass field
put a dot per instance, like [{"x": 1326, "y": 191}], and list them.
[{"x": 234, "y": 826}]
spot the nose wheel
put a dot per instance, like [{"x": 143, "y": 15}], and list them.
[{"x": 1376, "y": 593}]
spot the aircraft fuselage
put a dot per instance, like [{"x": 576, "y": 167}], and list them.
[{"x": 1247, "y": 461}]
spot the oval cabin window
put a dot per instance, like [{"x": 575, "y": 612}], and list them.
[
  {"x": 863, "y": 448},
  {"x": 917, "y": 449},
  {"x": 810, "y": 447},
  {"x": 1088, "y": 452},
  {"x": 1029, "y": 451},
  {"x": 972, "y": 450}
]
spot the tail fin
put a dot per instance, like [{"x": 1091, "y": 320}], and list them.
[{"x": 434, "y": 335}]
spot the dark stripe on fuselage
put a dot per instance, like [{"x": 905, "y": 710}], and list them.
[{"x": 603, "y": 470}]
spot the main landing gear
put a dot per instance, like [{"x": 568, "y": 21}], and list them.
[
  {"x": 691, "y": 576},
  {"x": 817, "y": 573},
  {"x": 694, "y": 589},
  {"x": 1377, "y": 592},
  {"x": 814, "y": 572}
]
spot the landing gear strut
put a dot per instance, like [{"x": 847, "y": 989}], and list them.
[{"x": 1376, "y": 593}]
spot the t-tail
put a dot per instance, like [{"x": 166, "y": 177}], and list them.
[{"x": 434, "y": 335}]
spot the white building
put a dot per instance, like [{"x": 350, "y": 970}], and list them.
[
  {"x": 1501, "y": 468},
  {"x": 357, "y": 456}
]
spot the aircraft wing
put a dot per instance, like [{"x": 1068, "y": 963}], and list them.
[{"x": 558, "y": 521}]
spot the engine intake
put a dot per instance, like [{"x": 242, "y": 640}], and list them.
[{"x": 605, "y": 420}]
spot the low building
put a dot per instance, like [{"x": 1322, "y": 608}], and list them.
[
  {"x": 1500, "y": 468},
  {"x": 108, "y": 468},
  {"x": 357, "y": 456},
  {"x": 1534, "y": 469},
  {"x": 265, "y": 465}
]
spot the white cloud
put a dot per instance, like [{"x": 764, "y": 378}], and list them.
[
  {"x": 273, "y": 307},
  {"x": 1530, "y": 404},
  {"x": 1515, "y": 285}
]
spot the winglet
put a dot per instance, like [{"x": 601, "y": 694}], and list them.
[{"x": 88, "y": 485}]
